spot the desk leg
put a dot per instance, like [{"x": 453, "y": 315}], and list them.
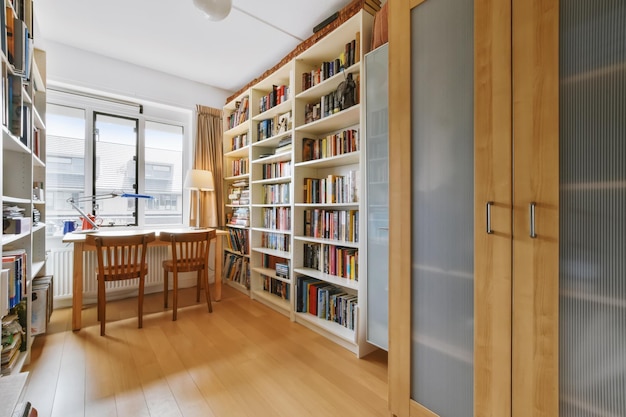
[
  {"x": 77, "y": 285},
  {"x": 218, "y": 267}
]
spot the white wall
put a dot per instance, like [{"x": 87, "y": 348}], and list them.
[{"x": 71, "y": 67}]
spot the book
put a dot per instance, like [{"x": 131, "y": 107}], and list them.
[{"x": 4, "y": 292}]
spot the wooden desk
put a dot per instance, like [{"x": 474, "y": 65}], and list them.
[{"x": 78, "y": 240}]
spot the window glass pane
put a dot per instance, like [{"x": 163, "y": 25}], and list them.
[
  {"x": 115, "y": 168},
  {"x": 163, "y": 173},
  {"x": 65, "y": 164}
]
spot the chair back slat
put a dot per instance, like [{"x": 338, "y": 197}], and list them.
[
  {"x": 120, "y": 257},
  {"x": 190, "y": 250}
]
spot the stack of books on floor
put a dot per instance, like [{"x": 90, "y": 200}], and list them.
[{"x": 12, "y": 339}]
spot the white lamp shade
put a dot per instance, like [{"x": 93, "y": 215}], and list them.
[
  {"x": 199, "y": 179},
  {"x": 214, "y": 9}
]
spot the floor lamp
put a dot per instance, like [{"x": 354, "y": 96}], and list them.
[{"x": 199, "y": 180}]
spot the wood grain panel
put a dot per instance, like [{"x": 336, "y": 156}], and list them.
[
  {"x": 399, "y": 206},
  {"x": 536, "y": 161},
  {"x": 492, "y": 176}
]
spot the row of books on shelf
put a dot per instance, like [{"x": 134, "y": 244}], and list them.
[
  {"x": 236, "y": 269},
  {"x": 276, "y": 170},
  {"x": 326, "y": 301},
  {"x": 240, "y": 166},
  {"x": 276, "y": 193},
  {"x": 278, "y": 218},
  {"x": 276, "y": 241},
  {"x": 239, "y": 141},
  {"x": 240, "y": 114},
  {"x": 276, "y": 287},
  {"x": 12, "y": 279},
  {"x": 238, "y": 240},
  {"x": 278, "y": 95},
  {"x": 339, "y": 143},
  {"x": 240, "y": 216},
  {"x": 16, "y": 41},
  {"x": 340, "y": 225},
  {"x": 239, "y": 195},
  {"x": 13, "y": 342},
  {"x": 333, "y": 260},
  {"x": 341, "y": 189},
  {"x": 348, "y": 57},
  {"x": 276, "y": 125}
]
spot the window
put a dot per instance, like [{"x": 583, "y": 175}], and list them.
[{"x": 98, "y": 147}]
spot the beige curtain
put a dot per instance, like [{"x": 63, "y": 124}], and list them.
[{"x": 208, "y": 155}]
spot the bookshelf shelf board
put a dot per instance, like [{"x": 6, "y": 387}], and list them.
[
  {"x": 329, "y": 326},
  {"x": 237, "y": 226},
  {"x": 264, "y": 229},
  {"x": 38, "y": 227},
  {"x": 11, "y": 143},
  {"x": 354, "y": 205},
  {"x": 237, "y": 177},
  {"x": 37, "y": 267},
  {"x": 276, "y": 180},
  {"x": 38, "y": 119},
  {"x": 238, "y": 286},
  {"x": 270, "y": 205},
  {"x": 7, "y": 238},
  {"x": 242, "y": 127},
  {"x": 39, "y": 202},
  {"x": 38, "y": 162},
  {"x": 329, "y": 85},
  {"x": 334, "y": 122},
  {"x": 19, "y": 363},
  {"x": 9, "y": 199},
  {"x": 274, "y": 252},
  {"x": 333, "y": 161},
  {"x": 332, "y": 44},
  {"x": 279, "y": 157},
  {"x": 271, "y": 273},
  {"x": 237, "y": 153},
  {"x": 278, "y": 77},
  {"x": 283, "y": 107},
  {"x": 327, "y": 241},
  {"x": 272, "y": 141},
  {"x": 331, "y": 279},
  {"x": 276, "y": 301},
  {"x": 39, "y": 85}
]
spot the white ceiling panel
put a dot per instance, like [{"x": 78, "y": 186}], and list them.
[{"x": 175, "y": 38}]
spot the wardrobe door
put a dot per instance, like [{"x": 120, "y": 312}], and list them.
[
  {"x": 434, "y": 223},
  {"x": 536, "y": 208},
  {"x": 592, "y": 284}
]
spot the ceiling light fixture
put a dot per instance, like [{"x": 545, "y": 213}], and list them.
[{"x": 214, "y": 9}]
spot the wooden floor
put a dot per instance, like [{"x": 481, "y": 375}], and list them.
[{"x": 244, "y": 359}]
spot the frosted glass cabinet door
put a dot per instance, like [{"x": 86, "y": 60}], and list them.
[
  {"x": 377, "y": 180},
  {"x": 442, "y": 316}
]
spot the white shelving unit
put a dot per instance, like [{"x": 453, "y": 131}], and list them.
[
  {"x": 23, "y": 164},
  {"x": 277, "y": 174}
]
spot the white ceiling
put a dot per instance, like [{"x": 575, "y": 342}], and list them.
[{"x": 174, "y": 37}]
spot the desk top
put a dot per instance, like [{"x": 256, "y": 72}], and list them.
[{"x": 80, "y": 236}]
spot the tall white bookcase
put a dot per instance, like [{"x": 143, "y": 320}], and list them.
[
  {"x": 23, "y": 158},
  {"x": 303, "y": 158}
]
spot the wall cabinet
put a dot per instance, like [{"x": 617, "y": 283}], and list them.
[
  {"x": 296, "y": 144},
  {"x": 23, "y": 72},
  {"x": 531, "y": 282}
]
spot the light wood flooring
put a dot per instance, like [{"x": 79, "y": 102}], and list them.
[{"x": 244, "y": 359}]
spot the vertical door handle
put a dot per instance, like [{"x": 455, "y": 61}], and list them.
[
  {"x": 489, "y": 204},
  {"x": 532, "y": 220}
]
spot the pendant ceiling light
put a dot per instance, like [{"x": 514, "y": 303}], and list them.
[{"x": 214, "y": 9}]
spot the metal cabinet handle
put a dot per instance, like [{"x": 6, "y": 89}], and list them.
[
  {"x": 532, "y": 220},
  {"x": 489, "y": 204}
]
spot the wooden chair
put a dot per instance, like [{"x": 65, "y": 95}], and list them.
[
  {"x": 120, "y": 257},
  {"x": 190, "y": 252}
]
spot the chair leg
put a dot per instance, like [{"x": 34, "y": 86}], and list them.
[
  {"x": 207, "y": 290},
  {"x": 140, "y": 302},
  {"x": 175, "y": 297},
  {"x": 101, "y": 305},
  {"x": 198, "y": 285},
  {"x": 165, "y": 288}
]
